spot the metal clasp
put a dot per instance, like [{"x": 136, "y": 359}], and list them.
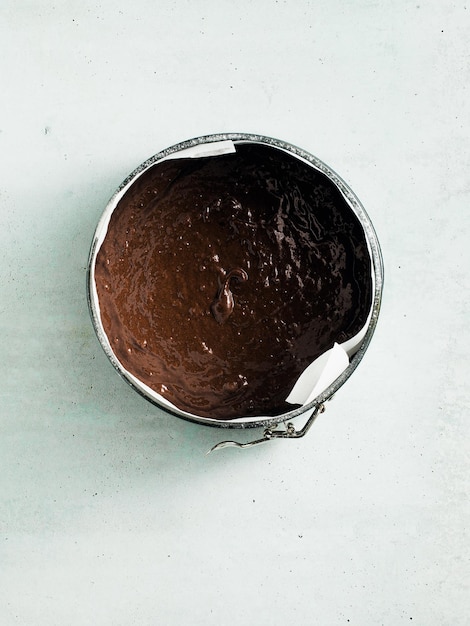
[{"x": 289, "y": 433}]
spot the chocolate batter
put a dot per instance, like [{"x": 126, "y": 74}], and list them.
[{"x": 221, "y": 279}]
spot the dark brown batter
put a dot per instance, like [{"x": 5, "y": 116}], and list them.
[{"x": 222, "y": 278}]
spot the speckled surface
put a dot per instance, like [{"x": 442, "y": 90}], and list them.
[{"x": 110, "y": 511}]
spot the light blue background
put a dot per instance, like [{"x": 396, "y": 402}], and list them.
[{"x": 110, "y": 512}]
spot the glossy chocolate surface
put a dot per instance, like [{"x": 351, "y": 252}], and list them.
[{"x": 221, "y": 279}]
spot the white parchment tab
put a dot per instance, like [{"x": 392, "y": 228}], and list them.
[
  {"x": 215, "y": 148},
  {"x": 319, "y": 375}
]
